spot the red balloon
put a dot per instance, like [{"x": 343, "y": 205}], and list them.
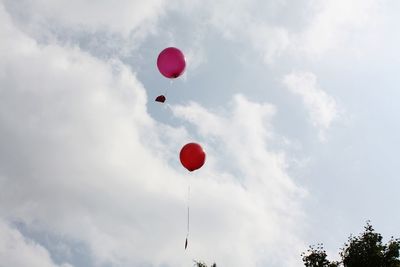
[
  {"x": 192, "y": 156},
  {"x": 171, "y": 62}
]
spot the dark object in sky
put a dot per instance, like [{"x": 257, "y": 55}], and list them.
[
  {"x": 186, "y": 243},
  {"x": 171, "y": 62},
  {"x": 192, "y": 156},
  {"x": 160, "y": 98}
]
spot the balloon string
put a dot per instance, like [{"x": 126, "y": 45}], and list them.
[
  {"x": 188, "y": 211},
  {"x": 188, "y": 217},
  {"x": 168, "y": 88}
]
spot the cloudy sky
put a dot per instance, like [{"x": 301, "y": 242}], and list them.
[{"x": 295, "y": 103}]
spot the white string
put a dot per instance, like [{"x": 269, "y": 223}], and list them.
[
  {"x": 188, "y": 211},
  {"x": 168, "y": 88},
  {"x": 188, "y": 217}
]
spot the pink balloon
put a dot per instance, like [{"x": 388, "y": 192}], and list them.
[{"x": 171, "y": 62}]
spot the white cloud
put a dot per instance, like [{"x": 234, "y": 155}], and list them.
[
  {"x": 334, "y": 22},
  {"x": 305, "y": 29},
  {"x": 238, "y": 23},
  {"x": 121, "y": 16},
  {"x": 81, "y": 158},
  {"x": 322, "y": 108},
  {"x": 106, "y": 29},
  {"x": 77, "y": 151},
  {"x": 17, "y": 251}
]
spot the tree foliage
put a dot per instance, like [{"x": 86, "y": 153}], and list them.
[
  {"x": 365, "y": 250},
  {"x": 202, "y": 264},
  {"x": 316, "y": 257}
]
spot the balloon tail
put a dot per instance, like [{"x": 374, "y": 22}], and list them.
[{"x": 186, "y": 243}]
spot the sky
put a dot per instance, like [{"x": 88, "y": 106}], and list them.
[{"x": 294, "y": 102}]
